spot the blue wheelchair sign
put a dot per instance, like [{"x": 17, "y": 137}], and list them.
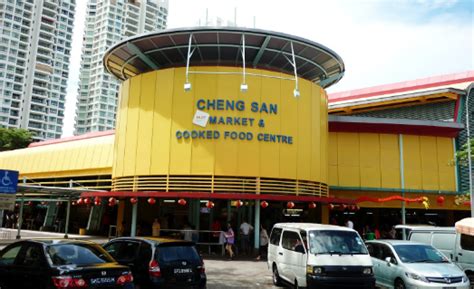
[{"x": 8, "y": 181}]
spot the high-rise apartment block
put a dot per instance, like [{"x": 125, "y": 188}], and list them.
[
  {"x": 35, "y": 46},
  {"x": 107, "y": 22}
]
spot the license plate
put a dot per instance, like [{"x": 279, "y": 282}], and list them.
[
  {"x": 102, "y": 280},
  {"x": 183, "y": 271}
]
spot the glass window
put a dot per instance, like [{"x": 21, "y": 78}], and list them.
[
  {"x": 33, "y": 256},
  {"x": 374, "y": 250},
  {"x": 8, "y": 257},
  {"x": 123, "y": 251},
  {"x": 291, "y": 240},
  {"x": 167, "y": 254},
  {"x": 78, "y": 254},
  {"x": 467, "y": 242},
  {"x": 275, "y": 236},
  {"x": 419, "y": 254},
  {"x": 336, "y": 242}
]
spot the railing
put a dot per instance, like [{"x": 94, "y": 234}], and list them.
[{"x": 6, "y": 235}]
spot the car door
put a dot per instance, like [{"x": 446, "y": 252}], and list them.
[
  {"x": 465, "y": 252},
  {"x": 125, "y": 252},
  {"x": 32, "y": 267},
  {"x": 8, "y": 276},
  {"x": 375, "y": 252},
  {"x": 293, "y": 255},
  {"x": 388, "y": 270}
]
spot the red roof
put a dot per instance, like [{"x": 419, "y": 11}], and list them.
[
  {"x": 404, "y": 86},
  {"x": 72, "y": 138}
]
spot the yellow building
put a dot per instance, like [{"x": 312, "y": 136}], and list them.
[{"x": 232, "y": 120}]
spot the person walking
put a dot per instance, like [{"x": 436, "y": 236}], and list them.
[
  {"x": 245, "y": 229},
  {"x": 155, "y": 228},
  {"x": 230, "y": 237},
  {"x": 263, "y": 243}
]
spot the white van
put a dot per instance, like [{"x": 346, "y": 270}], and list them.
[
  {"x": 314, "y": 255},
  {"x": 459, "y": 248}
]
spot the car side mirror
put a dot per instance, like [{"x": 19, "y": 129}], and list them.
[{"x": 390, "y": 260}]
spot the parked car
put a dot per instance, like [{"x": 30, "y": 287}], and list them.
[
  {"x": 48, "y": 264},
  {"x": 459, "y": 248},
  {"x": 160, "y": 262},
  {"x": 403, "y": 264},
  {"x": 314, "y": 256}
]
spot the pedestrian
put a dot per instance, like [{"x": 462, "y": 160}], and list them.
[
  {"x": 155, "y": 228},
  {"x": 349, "y": 223},
  {"x": 187, "y": 232},
  {"x": 230, "y": 237},
  {"x": 245, "y": 229},
  {"x": 263, "y": 243}
]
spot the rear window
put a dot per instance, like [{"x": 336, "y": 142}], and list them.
[
  {"x": 176, "y": 253},
  {"x": 77, "y": 254}
]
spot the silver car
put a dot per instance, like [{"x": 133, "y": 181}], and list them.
[{"x": 405, "y": 264}]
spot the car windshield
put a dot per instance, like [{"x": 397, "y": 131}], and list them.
[
  {"x": 419, "y": 254},
  {"x": 336, "y": 242},
  {"x": 77, "y": 254},
  {"x": 177, "y": 253}
]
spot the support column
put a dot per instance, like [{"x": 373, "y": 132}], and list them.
[
  {"x": 20, "y": 218},
  {"x": 120, "y": 213},
  {"x": 133, "y": 230},
  {"x": 257, "y": 226},
  {"x": 196, "y": 215},
  {"x": 402, "y": 183},
  {"x": 228, "y": 211},
  {"x": 324, "y": 214},
  {"x": 68, "y": 212}
]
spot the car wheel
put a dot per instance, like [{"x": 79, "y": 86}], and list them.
[
  {"x": 399, "y": 284},
  {"x": 276, "y": 277}
]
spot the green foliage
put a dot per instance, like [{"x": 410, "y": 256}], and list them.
[
  {"x": 462, "y": 155},
  {"x": 14, "y": 138}
]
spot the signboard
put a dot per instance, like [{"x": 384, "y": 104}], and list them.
[{"x": 8, "y": 188}]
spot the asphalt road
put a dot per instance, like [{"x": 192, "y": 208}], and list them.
[{"x": 237, "y": 274}]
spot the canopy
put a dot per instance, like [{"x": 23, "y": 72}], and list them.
[{"x": 465, "y": 226}]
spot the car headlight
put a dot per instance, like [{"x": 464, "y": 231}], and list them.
[
  {"x": 465, "y": 279},
  {"x": 367, "y": 271},
  {"x": 416, "y": 277},
  {"x": 314, "y": 270}
]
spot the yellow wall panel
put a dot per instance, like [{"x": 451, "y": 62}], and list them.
[
  {"x": 389, "y": 161},
  {"x": 303, "y": 165},
  {"x": 323, "y": 137},
  {"x": 289, "y": 125},
  {"x": 412, "y": 162},
  {"x": 131, "y": 133},
  {"x": 348, "y": 159},
  {"x": 429, "y": 162},
  {"x": 121, "y": 129},
  {"x": 145, "y": 124},
  {"x": 162, "y": 122},
  {"x": 446, "y": 168},
  {"x": 369, "y": 160}
]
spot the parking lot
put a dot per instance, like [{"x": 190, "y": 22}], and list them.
[{"x": 238, "y": 274}]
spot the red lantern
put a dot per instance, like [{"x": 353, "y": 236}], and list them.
[
  {"x": 440, "y": 200},
  {"x": 97, "y": 201},
  {"x": 263, "y": 204},
  {"x": 73, "y": 203},
  {"x": 343, "y": 207},
  {"x": 331, "y": 207},
  {"x": 87, "y": 201},
  {"x": 312, "y": 205},
  {"x": 17, "y": 205},
  {"x": 80, "y": 201},
  {"x": 290, "y": 205},
  {"x": 30, "y": 203},
  {"x": 182, "y": 202},
  {"x": 112, "y": 201},
  {"x": 133, "y": 200},
  {"x": 238, "y": 203},
  {"x": 210, "y": 204},
  {"x": 151, "y": 201}
]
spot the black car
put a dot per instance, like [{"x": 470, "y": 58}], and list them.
[
  {"x": 160, "y": 262},
  {"x": 52, "y": 264}
]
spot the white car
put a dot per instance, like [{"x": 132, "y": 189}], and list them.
[{"x": 404, "y": 264}]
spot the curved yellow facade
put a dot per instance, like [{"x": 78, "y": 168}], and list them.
[{"x": 262, "y": 133}]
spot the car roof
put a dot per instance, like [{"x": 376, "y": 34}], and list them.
[
  {"x": 395, "y": 242},
  {"x": 311, "y": 226},
  {"x": 424, "y": 227},
  {"x": 157, "y": 240},
  {"x": 50, "y": 241}
]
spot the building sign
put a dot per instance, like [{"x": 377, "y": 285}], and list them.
[
  {"x": 8, "y": 188},
  {"x": 205, "y": 119}
]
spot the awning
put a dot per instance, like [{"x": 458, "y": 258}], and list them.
[{"x": 465, "y": 226}]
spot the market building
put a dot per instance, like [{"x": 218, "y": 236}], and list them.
[{"x": 234, "y": 124}]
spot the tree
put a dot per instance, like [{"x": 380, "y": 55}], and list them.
[
  {"x": 14, "y": 138},
  {"x": 462, "y": 155}
]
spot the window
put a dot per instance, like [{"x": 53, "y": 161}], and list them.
[
  {"x": 123, "y": 251},
  {"x": 9, "y": 256},
  {"x": 166, "y": 253},
  {"x": 290, "y": 240},
  {"x": 467, "y": 242},
  {"x": 33, "y": 256},
  {"x": 79, "y": 254},
  {"x": 275, "y": 236}
]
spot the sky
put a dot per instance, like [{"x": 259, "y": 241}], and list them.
[{"x": 380, "y": 41}]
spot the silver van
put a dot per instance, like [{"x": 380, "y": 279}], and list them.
[
  {"x": 319, "y": 256},
  {"x": 459, "y": 248}
]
